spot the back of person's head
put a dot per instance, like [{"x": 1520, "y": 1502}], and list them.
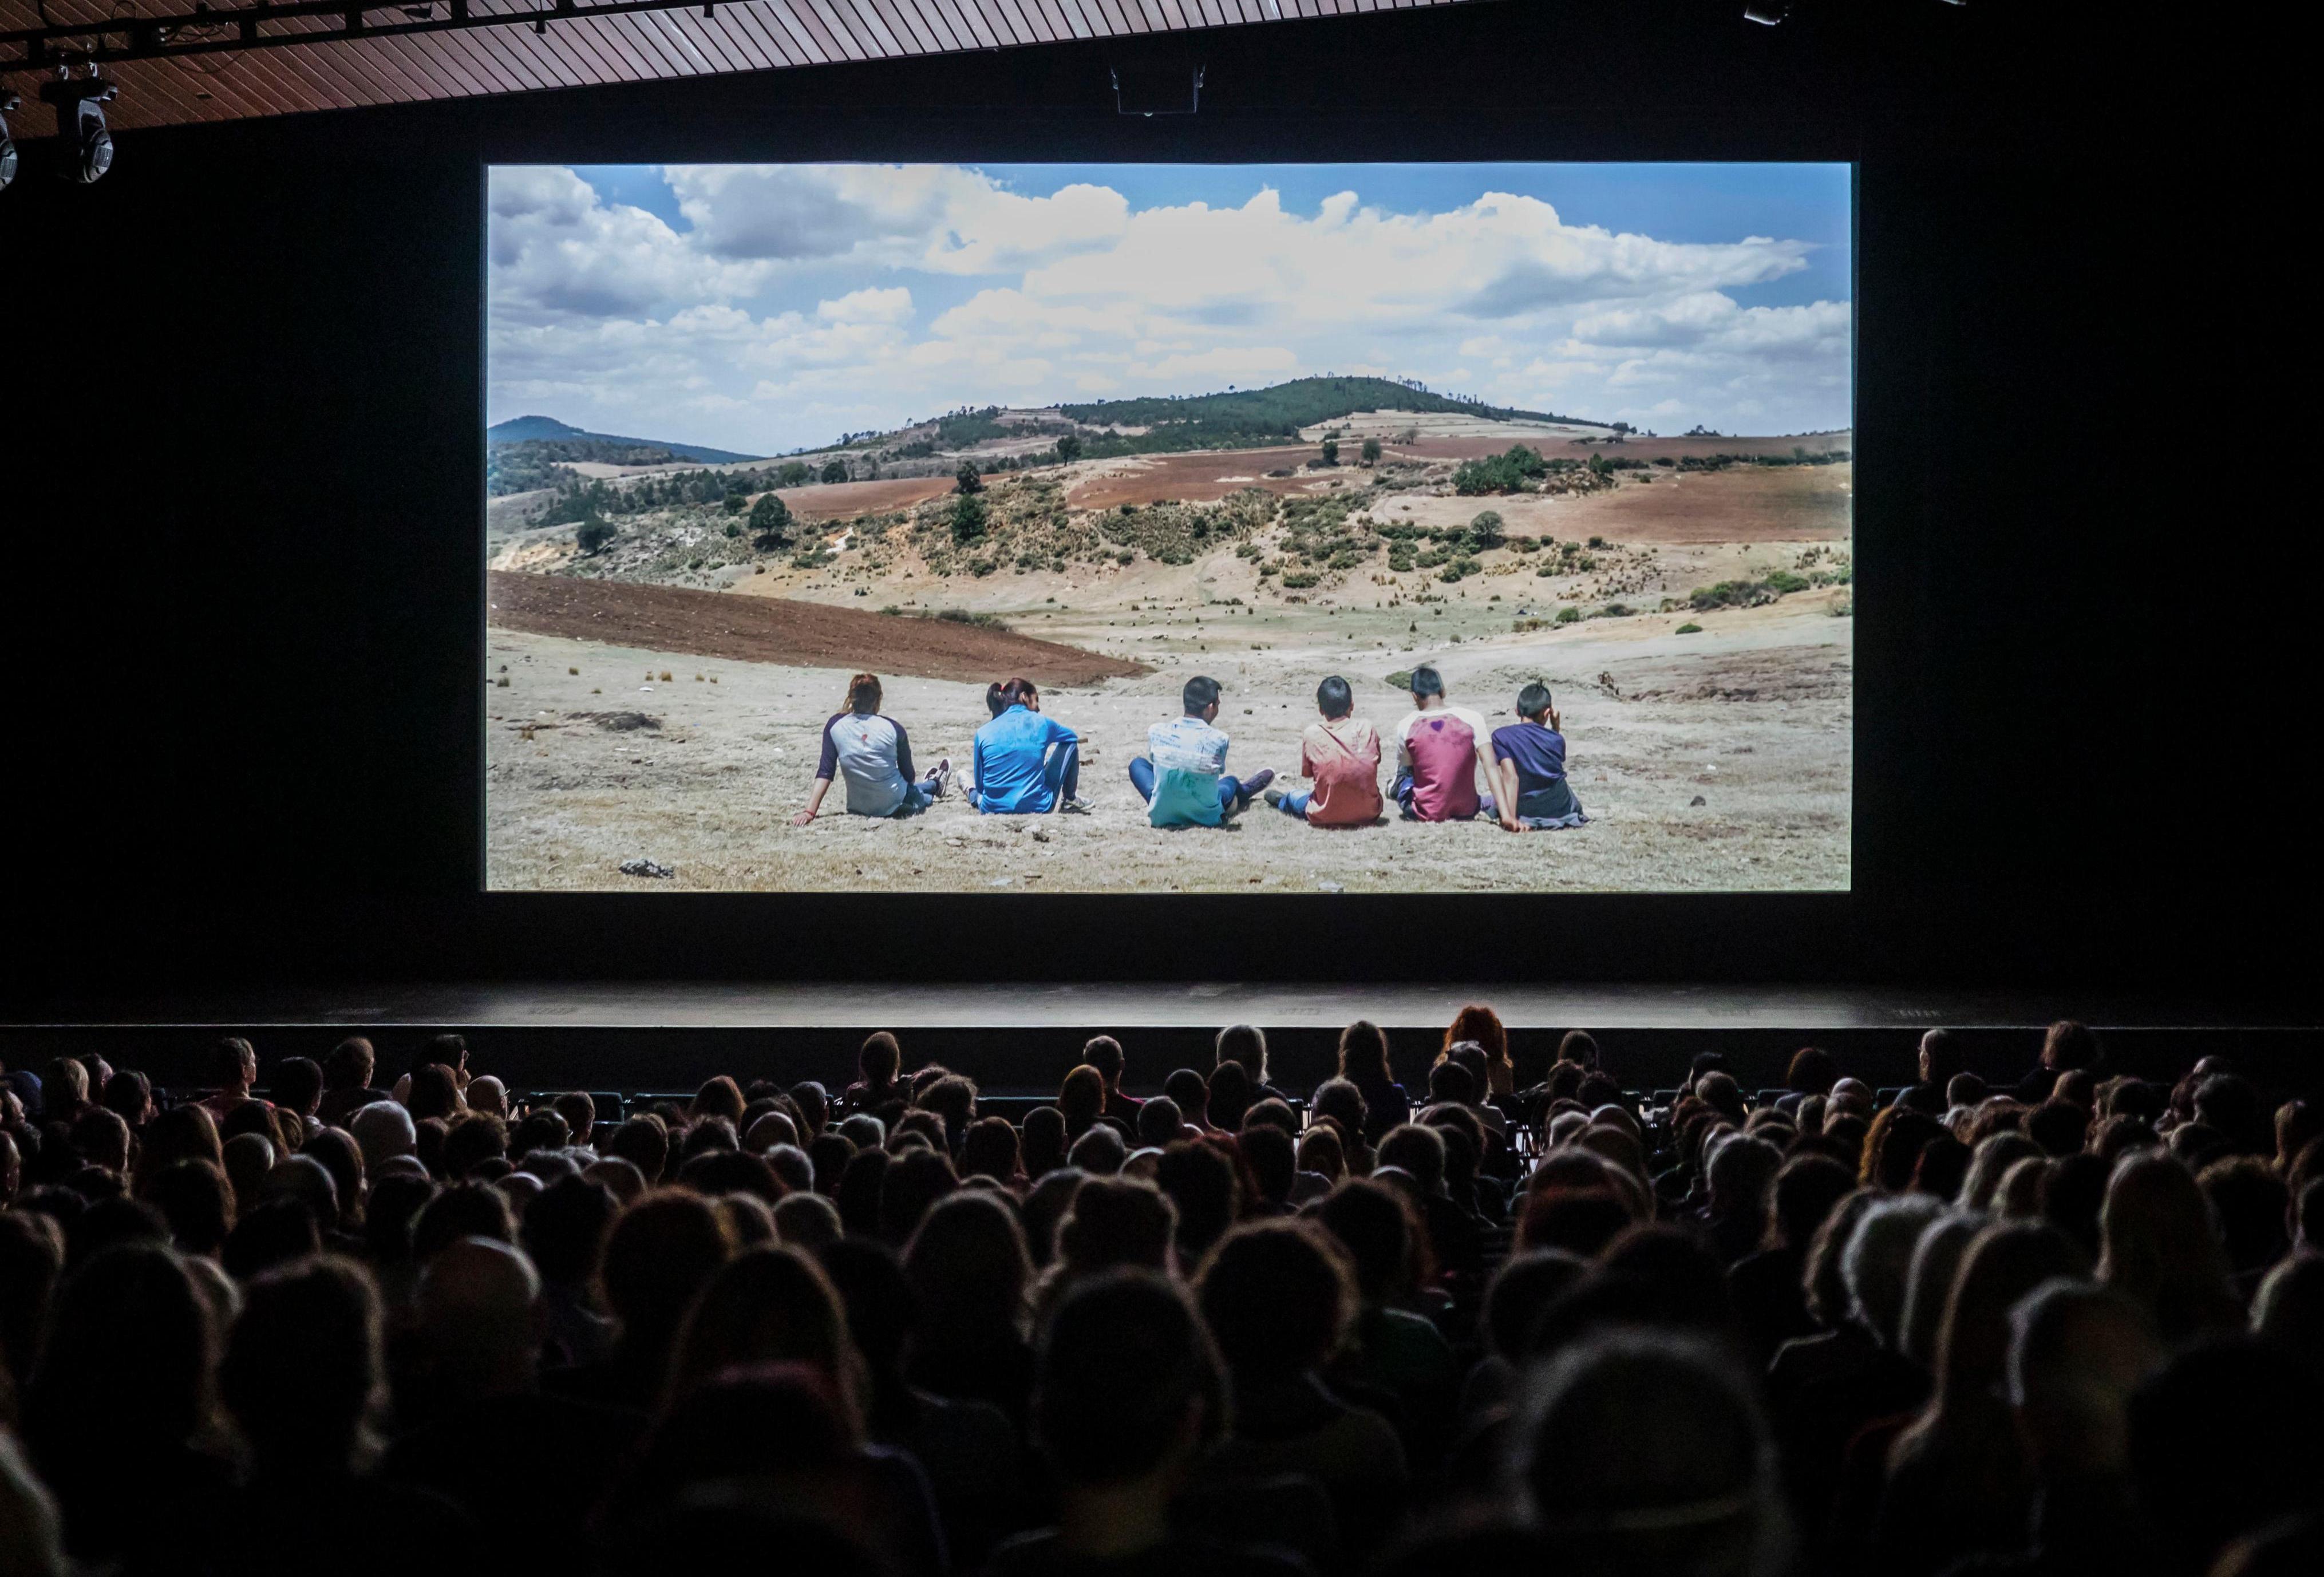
[
  {"x": 128, "y": 1363},
  {"x": 302, "y": 1370},
  {"x": 1533, "y": 700},
  {"x": 1645, "y": 1452},
  {"x": 2251, "y": 1204},
  {"x": 2288, "y": 1310},
  {"x": 915, "y": 1180},
  {"x": 1375, "y": 1225},
  {"x": 988, "y": 1149},
  {"x": 1229, "y": 1096},
  {"x": 768, "y": 1305},
  {"x": 2159, "y": 1245},
  {"x": 1117, "y": 1221},
  {"x": 659, "y": 1254},
  {"x": 233, "y": 1061},
  {"x": 1989, "y": 1163},
  {"x": 1339, "y": 1101},
  {"x": 1941, "y": 1056},
  {"x": 1200, "y": 693},
  {"x": 2058, "y": 1127},
  {"x": 1190, "y": 1090},
  {"x": 1159, "y": 1122},
  {"x": 1878, "y": 1260},
  {"x": 1081, "y": 1097},
  {"x": 1580, "y": 1221},
  {"x": 276, "y": 1230},
  {"x": 953, "y": 1098},
  {"x": 195, "y": 1199},
  {"x": 879, "y": 1058},
  {"x": 462, "y": 1210},
  {"x": 1103, "y": 1053},
  {"x": 1279, "y": 1296},
  {"x": 1269, "y": 1152},
  {"x": 2004, "y": 1263},
  {"x": 1335, "y": 699},
  {"x": 1742, "y": 1172},
  {"x": 1245, "y": 1044},
  {"x": 2077, "y": 1352},
  {"x": 1100, "y": 1152},
  {"x": 31, "y": 1258},
  {"x": 564, "y": 1227},
  {"x": 1578, "y": 1047},
  {"x": 1808, "y": 1188},
  {"x": 1363, "y": 1054},
  {"x": 1449, "y": 1080},
  {"x": 349, "y": 1066},
  {"x": 1929, "y": 1285},
  {"x": 969, "y": 1266},
  {"x": 1321, "y": 1152},
  {"x": 1417, "y": 1148},
  {"x": 1813, "y": 1071},
  {"x": 2223, "y": 1441},
  {"x": 2066, "y": 1044},
  {"x": 1126, "y": 1381},
  {"x": 298, "y": 1084},
  {"x": 863, "y": 694},
  {"x": 877, "y": 1298},
  {"x": 1525, "y": 1285},
  {"x": 131, "y": 1094},
  {"x": 1202, "y": 1183},
  {"x": 101, "y": 1136},
  {"x": 1425, "y": 681},
  {"x": 1044, "y": 1141}
]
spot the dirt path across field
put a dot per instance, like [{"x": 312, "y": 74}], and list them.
[{"x": 774, "y": 630}]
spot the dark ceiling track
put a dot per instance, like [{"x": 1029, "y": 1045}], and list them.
[{"x": 208, "y": 30}]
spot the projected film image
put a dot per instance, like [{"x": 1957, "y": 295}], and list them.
[{"x": 1151, "y": 529}]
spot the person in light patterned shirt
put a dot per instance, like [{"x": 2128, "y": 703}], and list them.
[{"x": 1183, "y": 777}]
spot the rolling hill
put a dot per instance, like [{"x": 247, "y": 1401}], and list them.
[
  {"x": 1301, "y": 402},
  {"x": 527, "y": 430}
]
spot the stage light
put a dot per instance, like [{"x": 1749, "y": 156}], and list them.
[
  {"x": 1766, "y": 12},
  {"x": 80, "y": 124},
  {"x": 8, "y": 103}
]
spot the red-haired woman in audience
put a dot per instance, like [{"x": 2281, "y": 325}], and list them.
[{"x": 1480, "y": 1024}]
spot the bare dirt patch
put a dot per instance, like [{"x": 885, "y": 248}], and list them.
[
  {"x": 1199, "y": 478},
  {"x": 770, "y": 630},
  {"x": 839, "y": 501}
]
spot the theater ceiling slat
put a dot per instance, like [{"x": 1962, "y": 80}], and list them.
[{"x": 755, "y": 35}]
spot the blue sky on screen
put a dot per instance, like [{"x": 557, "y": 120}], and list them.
[{"x": 773, "y": 307}]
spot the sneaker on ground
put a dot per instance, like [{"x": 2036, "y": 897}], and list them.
[
  {"x": 1257, "y": 781},
  {"x": 1076, "y": 805},
  {"x": 1273, "y": 797}
]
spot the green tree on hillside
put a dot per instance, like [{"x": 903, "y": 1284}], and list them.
[
  {"x": 793, "y": 475},
  {"x": 1372, "y": 451},
  {"x": 835, "y": 471},
  {"x": 968, "y": 516},
  {"x": 737, "y": 500},
  {"x": 1069, "y": 447},
  {"x": 1487, "y": 531},
  {"x": 773, "y": 522},
  {"x": 593, "y": 534},
  {"x": 968, "y": 479},
  {"x": 1331, "y": 451}
]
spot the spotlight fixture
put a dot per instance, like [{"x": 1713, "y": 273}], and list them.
[
  {"x": 1766, "y": 12},
  {"x": 8, "y": 103},
  {"x": 80, "y": 122}
]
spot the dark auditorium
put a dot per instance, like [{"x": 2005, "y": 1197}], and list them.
[{"x": 1082, "y": 788}]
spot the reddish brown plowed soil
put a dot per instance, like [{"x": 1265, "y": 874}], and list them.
[
  {"x": 840, "y": 500},
  {"x": 1202, "y": 477},
  {"x": 702, "y": 623}
]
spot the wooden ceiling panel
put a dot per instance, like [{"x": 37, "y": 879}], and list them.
[{"x": 751, "y": 35}]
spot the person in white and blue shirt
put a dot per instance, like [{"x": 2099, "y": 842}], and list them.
[
  {"x": 873, "y": 756},
  {"x": 1023, "y": 763},
  {"x": 1183, "y": 777}
]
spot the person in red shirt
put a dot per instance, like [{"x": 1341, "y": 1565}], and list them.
[
  {"x": 1341, "y": 755},
  {"x": 1440, "y": 749}
]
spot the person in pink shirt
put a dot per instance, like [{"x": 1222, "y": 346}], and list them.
[
  {"x": 1440, "y": 747},
  {"x": 1341, "y": 756}
]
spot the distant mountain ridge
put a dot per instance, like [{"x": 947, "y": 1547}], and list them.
[{"x": 528, "y": 429}]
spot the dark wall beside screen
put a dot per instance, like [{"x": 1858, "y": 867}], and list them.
[{"x": 246, "y": 626}]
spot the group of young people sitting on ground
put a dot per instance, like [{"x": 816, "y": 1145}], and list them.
[
  {"x": 1525, "y": 1321},
  {"x": 1023, "y": 763}
]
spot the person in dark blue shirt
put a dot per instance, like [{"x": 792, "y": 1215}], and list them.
[
  {"x": 1023, "y": 762},
  {"x": 1529, "y": 768}
]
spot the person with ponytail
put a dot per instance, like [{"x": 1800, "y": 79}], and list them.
[
  {"x": 1023, "y": 763},
  {"x": 874, "y": 755}
]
